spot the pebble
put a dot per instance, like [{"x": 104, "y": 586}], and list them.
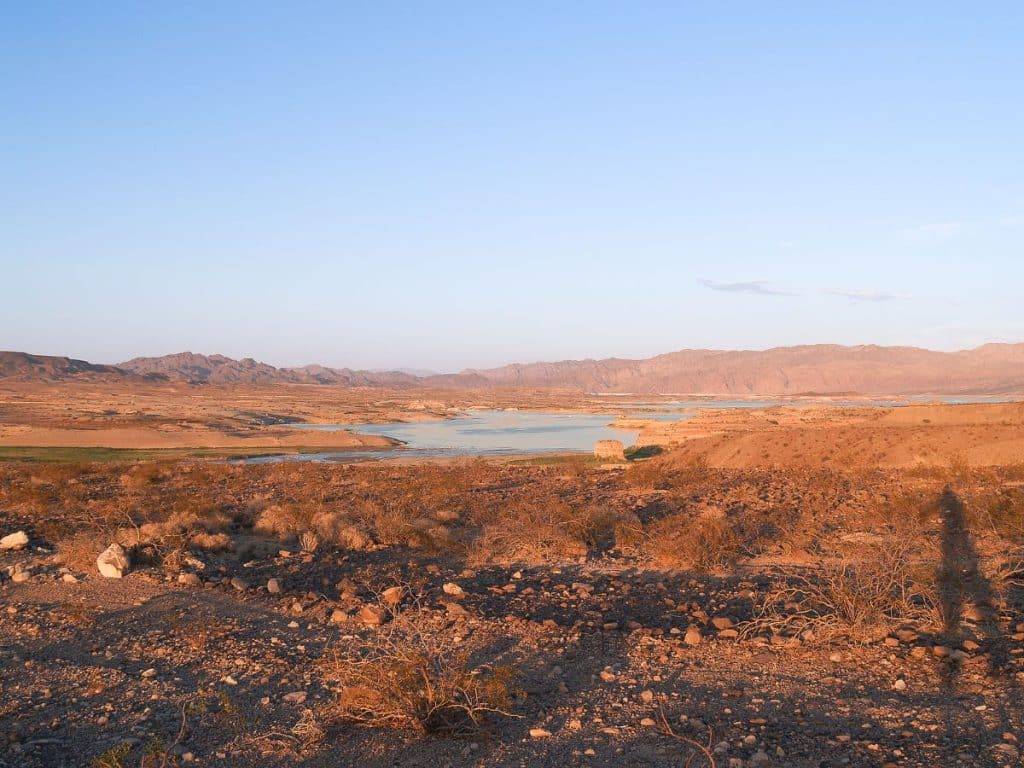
[
  {"x": 539, "y": 733},
  {"x": 274, "y": 586},
  {"x": 453, "y": 589}
]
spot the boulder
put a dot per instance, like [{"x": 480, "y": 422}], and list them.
[
  {"x": 16, "y": 540},
  {"x": 610, "y": 449},
  {"x": 113, "y": 562}
]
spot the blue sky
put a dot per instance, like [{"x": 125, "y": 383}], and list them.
[{"x": 469, "y": 184}]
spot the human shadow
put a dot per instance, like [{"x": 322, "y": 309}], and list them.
[{"x": 961, "y": 584}]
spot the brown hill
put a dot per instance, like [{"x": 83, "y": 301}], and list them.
[
  {"x": 783, "y": 370},
  {"x": 218, "y": 369},
  {"x": 21, "y": 365},
  {"x": 821, "y": 369}
]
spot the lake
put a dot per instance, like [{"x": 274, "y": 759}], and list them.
[
  {"x": 489, "y": 432},
  {"x": 476, "y": 433}
]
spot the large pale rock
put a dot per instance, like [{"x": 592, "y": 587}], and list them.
[
  {"x": 16, "y": 540},
  {"x": 610, "y": 449},
  {"x": 113, "y": 562}
]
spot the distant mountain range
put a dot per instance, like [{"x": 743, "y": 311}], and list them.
[
  {"x": 817, "y": 369},
  {"x": 217, "y": 369},
  {"x": 194, "y": 369},
  {"x": 784, "y": 370}
]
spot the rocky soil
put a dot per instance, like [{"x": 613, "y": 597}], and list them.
[{"x": 220, "y": 658}]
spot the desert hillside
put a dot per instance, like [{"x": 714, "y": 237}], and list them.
[{"x": 21, "y": 365}]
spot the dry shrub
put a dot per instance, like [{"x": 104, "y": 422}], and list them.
[
  {"x": 410, "y": 675},
  {"x": 539, "y": 530},
  {"x": 211, "y": 542},
  {"x": 863, "y": 599},
  {"x": 960, "y": 471},
  {"x": 669, "y": 473},
  {"x": 284, "y": 520},
  {"x": 189, "y": 515},
  {"x": 144, "y": 475},
  {"x": 79, "y": 551},
  {"x": 309, "y": 541},
  {"x": 909, "y": 514},
  {"x": 1001, "y": 513},
  {"x": 340, "y": 530},
  {"x": 1013, "y": 472},
  {"x": 702, "y": 542},
  {"x": 628, "y": 530}
]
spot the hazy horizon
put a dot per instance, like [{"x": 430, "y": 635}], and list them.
[{"x": 384, "y": 187}]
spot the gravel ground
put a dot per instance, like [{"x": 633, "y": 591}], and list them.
[{"x": 616, "y": 665}]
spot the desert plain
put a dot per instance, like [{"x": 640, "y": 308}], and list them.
[{"x": 800, "y": 584}]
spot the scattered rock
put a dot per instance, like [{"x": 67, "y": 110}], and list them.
[
  {"x": 189, "y": 580},
  {"x": 692, "y": 636},
  {"x": 539, "y": 733},
  {"x": 392, "y": 596},
  {"x": 274, "y": 586}
]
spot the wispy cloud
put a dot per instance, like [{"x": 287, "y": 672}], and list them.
[
  {"x": 868, "y": 295},
  {"x": 760, "y": 287}
]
